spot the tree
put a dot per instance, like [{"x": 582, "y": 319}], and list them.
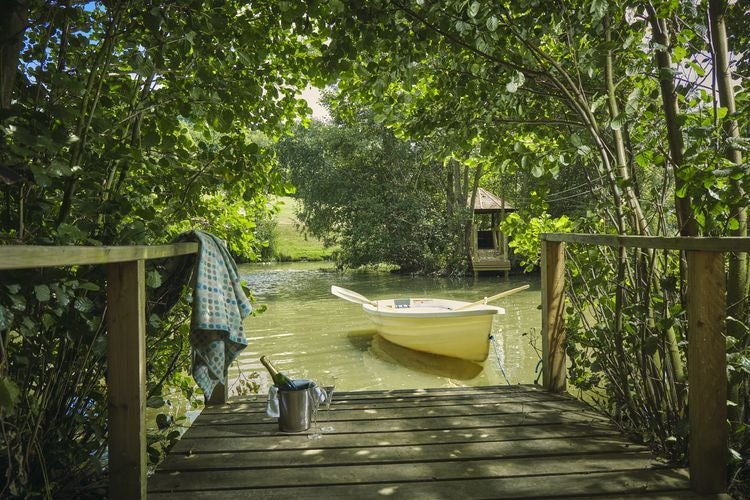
[
  {"x": 616, "y": 88},
  {"x": 374, "y": 196},
  {"x": 124, "y": 122}
]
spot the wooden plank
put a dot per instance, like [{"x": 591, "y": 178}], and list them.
[
  {"x": 482, "y": 389},
  {"x": 553, "y": 316},
  {"x": 707, "y": 379},
  {"x": 263, "y": 458},
  {"x": 429, "y": 471},
  {"x": 670, "y": 495},
  {"x": 265, "y": 425},
  {"x": 345, "y": 403},
  {"x": 258, "y": 404},
  {"x": 29, "y": 256},
  {"x": 337, "y": 438},
  {"x": 719, "y": 244},
  {"x": 563, "y": 485},
  {"x": 442, "y": 391},
  {"x": 406, "y": 412},
  {"x": 126, "y": 379},
  {"x": 404, "y": 454}
]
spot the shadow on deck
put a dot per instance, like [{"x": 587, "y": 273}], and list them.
[{"x": 477, "y": 442}]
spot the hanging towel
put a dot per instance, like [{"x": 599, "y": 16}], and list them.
[{"x": 219, "y": 306}]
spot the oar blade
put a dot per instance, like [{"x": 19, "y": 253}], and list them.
[{"x": 350, "y": 295}]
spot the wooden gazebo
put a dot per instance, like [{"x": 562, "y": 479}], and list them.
[{"x": 490, "y": 246}]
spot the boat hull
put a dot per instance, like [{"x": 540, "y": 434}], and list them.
[{"x": 434, "y": 326}]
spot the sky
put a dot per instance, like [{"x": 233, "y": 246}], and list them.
[{"x": 312, "y": 96}]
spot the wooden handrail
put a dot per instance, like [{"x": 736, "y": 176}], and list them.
[
  {"x": 33, "y": 256},
  {"x": 706, "y": 244},
  {"x": 126, "y": 344},
  {"x": 706, "y": 313}
]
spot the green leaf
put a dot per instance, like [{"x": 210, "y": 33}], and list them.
[
  {"x": 733, "y": 224},
  {"x": 154, "y": 455},
  {"x": 474, "y": 9},
  {"x": 152, "y": 19},
  {"x": 537, "y": 171},
  {"x": 481, "y": 44},
  {"x": 164, "y": 421},
  {"x": 155, "y": 402},
  {"x": 87, "y": 285},
  {"x": 492, "y": 23},
  {"x": 9, "y": 394},
  {"x": 679, "y": 53},
  {"x": 83, "y": 304},
  {"x": 42, "y": 293},
  {"x": 697, "y": 68},
  {"x": 598, "y": 8},
  {"x": 153, "y": 279},
  {"x": 48, "y": 320},
  {"x": 617, "y": 122},
  {"x": 721, "y": 112}
]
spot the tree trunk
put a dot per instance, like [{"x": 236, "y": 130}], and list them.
[
  {"x": 469, "y": 225},
  {"x": 737, "y": 282},
  {"x": 638, "y": 218},
  {"x": 12, "y": 27},
  {"x": 685, "y": 219}
]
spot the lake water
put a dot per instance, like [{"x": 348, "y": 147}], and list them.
[{"x": 307, "y": 332}]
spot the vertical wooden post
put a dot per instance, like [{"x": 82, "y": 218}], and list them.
[
  {"x": 495, "y": 232},
  {"x": 553, "y": 314},
  {"x": 221, "y": 392},
  {"x": 126, "y": 379},
  {"x": 474, "y": 247},
  {"x": 707, "y": 373}
]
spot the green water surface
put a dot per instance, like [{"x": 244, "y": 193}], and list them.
[{"x": 308, "y": 332}]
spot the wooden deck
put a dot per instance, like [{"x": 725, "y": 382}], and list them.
[{"x": 482, "y": 442}]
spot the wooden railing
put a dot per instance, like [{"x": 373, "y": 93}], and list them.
[
  {"x": 706, "y": 356},
  {"x": 126, "y": 344}
]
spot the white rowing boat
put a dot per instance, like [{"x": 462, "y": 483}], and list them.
[{"x": 439, "y": 326}]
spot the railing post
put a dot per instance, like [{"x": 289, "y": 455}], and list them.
[
  {"x": 221, "y": 392},
  {"x": 707, "y": 373},
  {"x": 126, "y": 379},
  {"x": 553, "y": 314}
]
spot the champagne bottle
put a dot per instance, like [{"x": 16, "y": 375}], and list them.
[{"x": 280, "y": 380}]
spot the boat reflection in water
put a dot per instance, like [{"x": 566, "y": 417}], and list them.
[{"x": 432, "y": 364}]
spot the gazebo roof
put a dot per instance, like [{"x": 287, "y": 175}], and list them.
[{"x": 487, "y": 203}]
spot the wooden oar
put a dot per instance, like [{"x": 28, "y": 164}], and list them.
[
  {"x": 490, "y": 299},
  {"x": 351, "y": 296}
]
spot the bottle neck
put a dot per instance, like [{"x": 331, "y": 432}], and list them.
[{"x": 271, "y": 369}]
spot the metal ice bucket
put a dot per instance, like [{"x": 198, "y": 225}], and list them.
[{"x": 296, "y": 407}]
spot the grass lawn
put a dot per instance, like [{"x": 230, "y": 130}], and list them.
[{"x": 292, "y": 243}]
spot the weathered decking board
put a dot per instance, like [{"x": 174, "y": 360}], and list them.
[{"x": 481, "y": 442}]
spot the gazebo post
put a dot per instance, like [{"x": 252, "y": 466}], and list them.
[{"x": 496, "y": 257}]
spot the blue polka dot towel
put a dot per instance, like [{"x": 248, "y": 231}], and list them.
[{"x": 219, "y": 306}]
